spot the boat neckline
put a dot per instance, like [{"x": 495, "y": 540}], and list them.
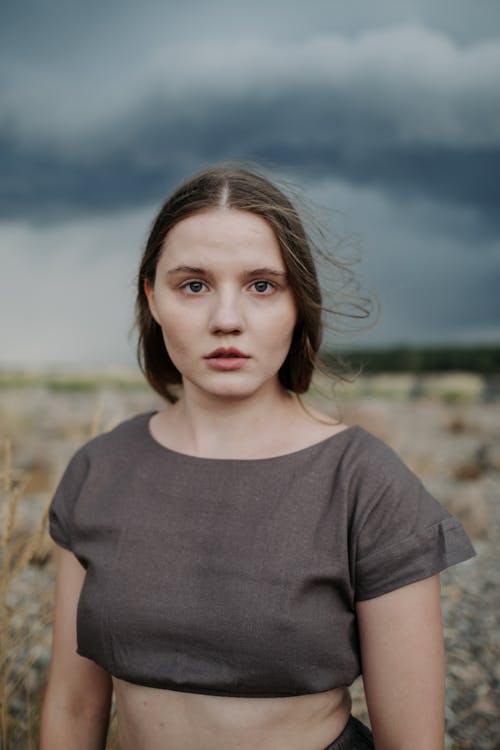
[{"x": 278, "y": 457}]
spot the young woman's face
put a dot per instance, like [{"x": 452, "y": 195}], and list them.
[{"x": 223, "y": 302}]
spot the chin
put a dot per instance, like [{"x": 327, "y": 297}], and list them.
[
  {"x": 233, "y": 393},
  {"x": 234, "y": 390},
  {"x": 227, "y": 386}
]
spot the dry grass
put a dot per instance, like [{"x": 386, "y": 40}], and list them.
[
  {"x": 17, "y": 552},
  {"x": 23, "y": 641}
]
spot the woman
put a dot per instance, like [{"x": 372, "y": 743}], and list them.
[{"x": 231, "y": 562}]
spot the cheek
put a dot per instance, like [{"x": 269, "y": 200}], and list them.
[
  {"x": 278, "y": 339},
  {"x": 282, "y": 327},
  {"x": 177, "y": 328}
]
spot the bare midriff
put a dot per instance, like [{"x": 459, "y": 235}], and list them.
[{"x": 154, "y": 719}]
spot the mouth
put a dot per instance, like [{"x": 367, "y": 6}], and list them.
[
  {"x": 227, "y": 360},
  {"x": 230, "y": 353}
]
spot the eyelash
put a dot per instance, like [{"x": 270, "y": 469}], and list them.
[{"x": 185, "y": 286}]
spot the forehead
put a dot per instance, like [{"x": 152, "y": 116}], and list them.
[{"x": 221, "y": 232}]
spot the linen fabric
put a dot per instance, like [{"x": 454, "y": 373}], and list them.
[{"x": 240, "y": 577}]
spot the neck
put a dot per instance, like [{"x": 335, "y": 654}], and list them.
[{"x": 225, "y": 428}]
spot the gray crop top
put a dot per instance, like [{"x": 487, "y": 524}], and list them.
[{"x": 239, "y": 577}]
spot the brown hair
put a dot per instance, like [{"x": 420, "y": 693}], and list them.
[{"x": 237, "y": 188}]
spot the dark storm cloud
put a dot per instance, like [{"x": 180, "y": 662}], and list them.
[
  {"x": 45, "y": 28},
  {"x": 315, "y": 133},
  {"x": 105, "y": 110}
]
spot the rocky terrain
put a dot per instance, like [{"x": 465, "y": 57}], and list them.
[{"x": 447, "y": 431}]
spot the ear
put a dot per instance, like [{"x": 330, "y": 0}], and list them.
[{"x": 148, "y": 290}]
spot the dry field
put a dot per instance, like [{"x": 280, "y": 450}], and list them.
[{"x": 446, "y": 428}]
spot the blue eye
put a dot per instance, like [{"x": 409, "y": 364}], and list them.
[
  {"x": 262, "y": 286},
  {"x": 193, "y": 286}
]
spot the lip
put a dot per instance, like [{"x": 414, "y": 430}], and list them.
[
  {"x": 227, "y": 359},
  {"x": 230, "y": 353}
]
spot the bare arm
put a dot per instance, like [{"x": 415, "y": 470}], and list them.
[
  {"x": 77, "y": 701},
  {"x": 402, "y": 654}
]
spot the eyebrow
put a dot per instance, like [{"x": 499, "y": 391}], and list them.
[
  {"x": 185, "y": 269},
  {"x": 264, "y": 271}
]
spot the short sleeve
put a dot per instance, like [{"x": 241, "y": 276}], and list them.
[
  {"x": 65, "y": 497},
  {"x": 401, "y": 533}
]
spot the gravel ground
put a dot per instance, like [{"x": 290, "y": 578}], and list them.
[
  {"x": 471, "y": 607},
  {"x": 447, "y": 446}
]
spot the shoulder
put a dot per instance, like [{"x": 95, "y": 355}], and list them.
[
  {"x": 359, "y": 466},
  {"x": 105, "y": 454},
  {"x": 125, "y": 437},
  {"x": 378, "y": 480},
  {"x": 124, "y": 440},
  {"x": 367, "y": 457},
  {"x": 362, "y": 448},
  {"x": 387, "y": 499}
]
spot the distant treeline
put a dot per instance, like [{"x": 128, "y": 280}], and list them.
[{"x": 480, "y": 359}]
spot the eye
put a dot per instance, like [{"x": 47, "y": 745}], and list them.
[
  {"x": 193, "y": 287},
  {"x": 263, "y": 287}
]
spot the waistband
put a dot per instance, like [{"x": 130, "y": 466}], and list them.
[{"x": 355, "y": 736}]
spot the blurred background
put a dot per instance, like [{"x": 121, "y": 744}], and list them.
[
  {"x": 386, "y": 118},
  {"x": 386, "y": 115}
]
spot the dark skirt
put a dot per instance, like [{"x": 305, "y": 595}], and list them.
[{"x": 355, "y": 736}]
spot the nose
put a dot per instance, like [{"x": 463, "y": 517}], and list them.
[{"x": 226, "y": 315}]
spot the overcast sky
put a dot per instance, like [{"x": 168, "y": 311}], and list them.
[{"x": 387, "y": 115}]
